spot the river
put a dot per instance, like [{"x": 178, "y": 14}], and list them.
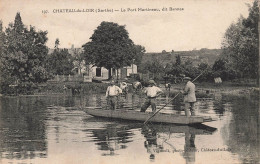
[{"x": 54, "y": 129}]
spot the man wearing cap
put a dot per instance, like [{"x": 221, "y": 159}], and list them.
[
  {"x": 151, "y": 92},
  {"x": 111, "y": 94},
  {"x": 124, "y": 87},
  {"x": 189, "y": 97},
  {"x": 137, "y": 86}
]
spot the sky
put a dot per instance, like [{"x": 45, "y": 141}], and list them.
[{"x": 199, "y": 23}]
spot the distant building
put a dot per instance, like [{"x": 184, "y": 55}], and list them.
[
  {"x": 103, "y": 73},
  {"x": 189, "y": 57},
  {"x": 90, "y": 71}
]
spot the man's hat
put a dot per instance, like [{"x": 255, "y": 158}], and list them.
[
  {"x": 112, "y": 82},
  {"x": 152, "y": 82},
  {"x": 186, "y": 78},
  {"x": 152, "y": 157}
]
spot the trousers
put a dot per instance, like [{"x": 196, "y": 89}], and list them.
[
  {"x": 112, "y": 100},
  {"x": 147, "y": 103},
  {"x": 189, "y": 108}
]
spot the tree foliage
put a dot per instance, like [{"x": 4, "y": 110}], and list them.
[
  {"x": 78, "y": 59},
  {"x": 60, "y": 61},
  {"x": 154, "y": 68},
  {"x": 178, "y": 60},
  {"x": 23, "y": 54},
  {"x": 111, "y": 47},
  {"x": 138, "y": 54},
  {"x": 241, "y": 44}
]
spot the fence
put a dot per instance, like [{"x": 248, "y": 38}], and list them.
[
  {"x": 84, "y": 78},
  {"x": 71, "y": 78}
]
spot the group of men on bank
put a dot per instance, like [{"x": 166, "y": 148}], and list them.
[{"x": 151, "y": 92}]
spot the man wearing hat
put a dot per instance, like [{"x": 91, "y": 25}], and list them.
[
  {"x": 151, "y": 92},
  {"x": 137, "y": 86},
  {"x": 124, "y": 87},
  {"x": 111, "y": 94},
  {"x": 189, "y": 97}
]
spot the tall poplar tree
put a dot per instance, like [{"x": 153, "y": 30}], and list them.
[{"x": 60, "y": 61}]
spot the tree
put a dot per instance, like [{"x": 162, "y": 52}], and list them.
[
  {"x": 60, "y": 61},
  {"x": 2, "y": 41},
  {"x": 5, "y": 78},
  {"x": 110, "y": 47},
  {"x": 57, "y": 43},
  {"x": 155, "y": 68},
  {"x": 207, "y": 72},
  {"x": 78, "y": 59},
  {"x": 2, "y": 38},
  {"x": 138, "y": 54},
  {"x": 241, "y": 44},
  {"x": 178, "y": 60},
  {"x": 24, "y": 54},
  {"x": 223, "y": 69}
]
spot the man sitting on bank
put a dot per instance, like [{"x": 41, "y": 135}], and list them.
[
  {"x": 151, "y": 92},
  {"x": 189, "y": 96},
  {"x": 111, "y": 94}
]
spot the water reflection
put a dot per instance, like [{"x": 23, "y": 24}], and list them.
[
  {"x": 157, "y": 138},
  {"x": 22, "y": 128},
  {"x": 242, "y": 137},
  {"x": 189, "y": 148},
  {"x": 111, "y": 138},
  {"x": 151, "y": 142},
  {"x": 30, "y": 130}
]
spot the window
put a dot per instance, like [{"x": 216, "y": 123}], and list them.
[{"x": 98, "y": 72}]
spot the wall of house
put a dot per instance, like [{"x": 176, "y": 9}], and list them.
[
  {"x": 122, "y": 73},
  {"x": 131, "y": 69},
  {"x": 103, "y": 74}
]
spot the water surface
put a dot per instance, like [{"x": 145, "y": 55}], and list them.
[{"x": 50, "y": 129}]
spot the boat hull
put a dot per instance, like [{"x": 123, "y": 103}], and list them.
[{"x": 140, "y": 116}]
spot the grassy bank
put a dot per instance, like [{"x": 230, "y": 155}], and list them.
[
  {"x": 207, "y": 90},
  {"x": 76, "y": 88},
  {"x": 203, "y": 89}
]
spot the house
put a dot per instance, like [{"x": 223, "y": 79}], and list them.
[
  {"x": 101, "y": 73},
  {"x": 90, "y": 71}
]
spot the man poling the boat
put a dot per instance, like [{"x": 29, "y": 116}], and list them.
[
  {"x": 171, "y": 99},
  {"x": 111, "y": 94},
  {"x": 152, "y": 91},
  {"x": 189, "y": 97}
]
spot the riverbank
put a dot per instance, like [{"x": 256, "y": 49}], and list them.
[
  {"x": 203, "y": 89},
  {"x": 208, "y": 89}
]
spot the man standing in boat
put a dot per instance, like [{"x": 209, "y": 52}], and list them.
[
  {"x": 111, "y": 94},
  {"x": 124, "y": 87},
  {"x": 137, "y": 86},
  {"x": 189, "y": 97},
  {"x": 152, "y": 91}
]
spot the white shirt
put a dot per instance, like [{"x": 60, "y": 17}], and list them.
[
  {"x": 190, "y": 90},
  {"x": 152, "y": 91},
  {"x": 113, "y": 90}
]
